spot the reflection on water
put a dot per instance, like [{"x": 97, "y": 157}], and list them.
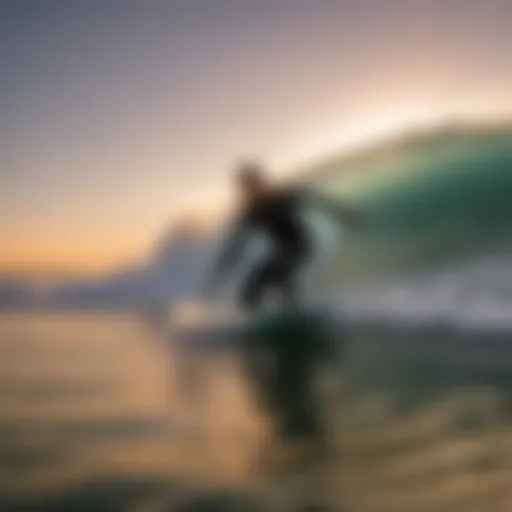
[{"x": 93, "y": 417}]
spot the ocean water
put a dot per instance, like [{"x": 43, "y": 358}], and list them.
[{"x": 99, "y": 412}]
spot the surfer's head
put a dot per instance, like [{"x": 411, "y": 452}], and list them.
[{"x": 251, "y": 179}]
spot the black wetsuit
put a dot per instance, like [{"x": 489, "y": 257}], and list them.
[
  {"x": 286, "y": 389},
  {"x": 277, "y": 215}
]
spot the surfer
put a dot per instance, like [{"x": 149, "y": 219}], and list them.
[
  {"x": 275, "y": 212},
  {"x": 294, "y": 341}
]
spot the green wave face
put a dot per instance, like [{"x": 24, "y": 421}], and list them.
[{"x": 429, "y": 199}]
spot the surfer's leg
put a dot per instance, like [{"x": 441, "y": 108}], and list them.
[
  {"x": 287, "y": 280},
  {"x": 290, "y": 290},
  {"x": 251, "y": 292},
  {"x": 259, "y": 281}
]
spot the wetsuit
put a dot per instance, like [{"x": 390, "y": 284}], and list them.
[
  {"x": 277, "y": 215},
  {"x": 286, "y": 390}
]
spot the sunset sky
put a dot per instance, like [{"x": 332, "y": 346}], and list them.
[{"x": 118, "y": 116}]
